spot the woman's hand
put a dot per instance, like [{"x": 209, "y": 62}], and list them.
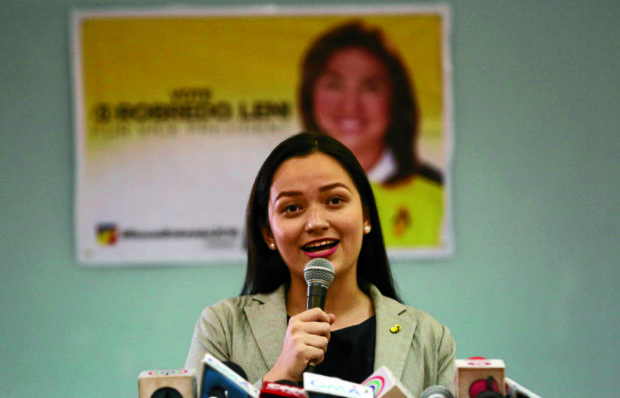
[{"x": 306, "y": 339}]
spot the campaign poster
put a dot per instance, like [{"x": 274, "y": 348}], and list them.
[{"x": 176, "y": 109}]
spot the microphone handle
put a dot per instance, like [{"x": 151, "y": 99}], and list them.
[{"x": 317, "y": 293}]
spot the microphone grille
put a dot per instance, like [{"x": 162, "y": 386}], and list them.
[{"x": 319, "y": 270}]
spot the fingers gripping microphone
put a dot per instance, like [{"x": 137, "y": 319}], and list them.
[{"x": 319, "y": 274}]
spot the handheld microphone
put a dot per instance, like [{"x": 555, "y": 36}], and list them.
[
  {"x": 282, "y": 389},
  {"x": 385, "y": 385},
  {"x": 319, "y": 274},
  {"x": 220, "y": 380},
  {"x": 436, "y": 392},
  {"x": 319, "y": 386}
]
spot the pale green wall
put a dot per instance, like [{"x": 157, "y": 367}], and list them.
[{"x": 535, "y": 277}]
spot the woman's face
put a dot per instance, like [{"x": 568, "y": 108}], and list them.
[
  {"x": 352, "y": 99},
  {"x": 315, "y": 211}
]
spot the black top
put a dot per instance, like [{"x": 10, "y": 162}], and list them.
[{"x": 350, "y": 352}]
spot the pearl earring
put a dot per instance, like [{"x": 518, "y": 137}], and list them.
[
  {"x": 272, "y": 246},
  {"x": 367, "y": 229}
]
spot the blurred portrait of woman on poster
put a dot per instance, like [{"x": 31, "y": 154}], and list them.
[{"x": 355, "y": 88}]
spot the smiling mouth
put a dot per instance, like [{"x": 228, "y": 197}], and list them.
[
  {"x": 318, "y": 247},
  {"x": 350, "y": 125}
]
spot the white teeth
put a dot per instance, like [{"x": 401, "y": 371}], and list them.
[{"x": 317, "y": 244}]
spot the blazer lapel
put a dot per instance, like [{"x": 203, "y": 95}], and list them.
[
  {"x": 267, "y": 319},
  {"x": 394, "y": 333}
]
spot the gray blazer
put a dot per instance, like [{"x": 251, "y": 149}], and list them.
[{"x": 250, "y": 331}]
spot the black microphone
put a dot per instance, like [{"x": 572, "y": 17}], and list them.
[
  {"x": 436, "y": 392},
  {"x": 319, "y": 274}
]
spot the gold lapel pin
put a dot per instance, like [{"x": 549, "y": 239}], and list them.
[{"x": 395, "y": 329}]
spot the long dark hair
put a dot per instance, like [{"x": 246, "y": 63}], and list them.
[
  {"x": 402, "y": 132},
  {"x": 266, "y": 269}
]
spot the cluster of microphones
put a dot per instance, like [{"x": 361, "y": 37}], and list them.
[{"x": 476, "y": 378}]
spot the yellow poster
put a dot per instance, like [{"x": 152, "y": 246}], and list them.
[{"x": 176, "y": 108}]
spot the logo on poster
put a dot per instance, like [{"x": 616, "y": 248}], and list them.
[{"x": 107, "y": 234}]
